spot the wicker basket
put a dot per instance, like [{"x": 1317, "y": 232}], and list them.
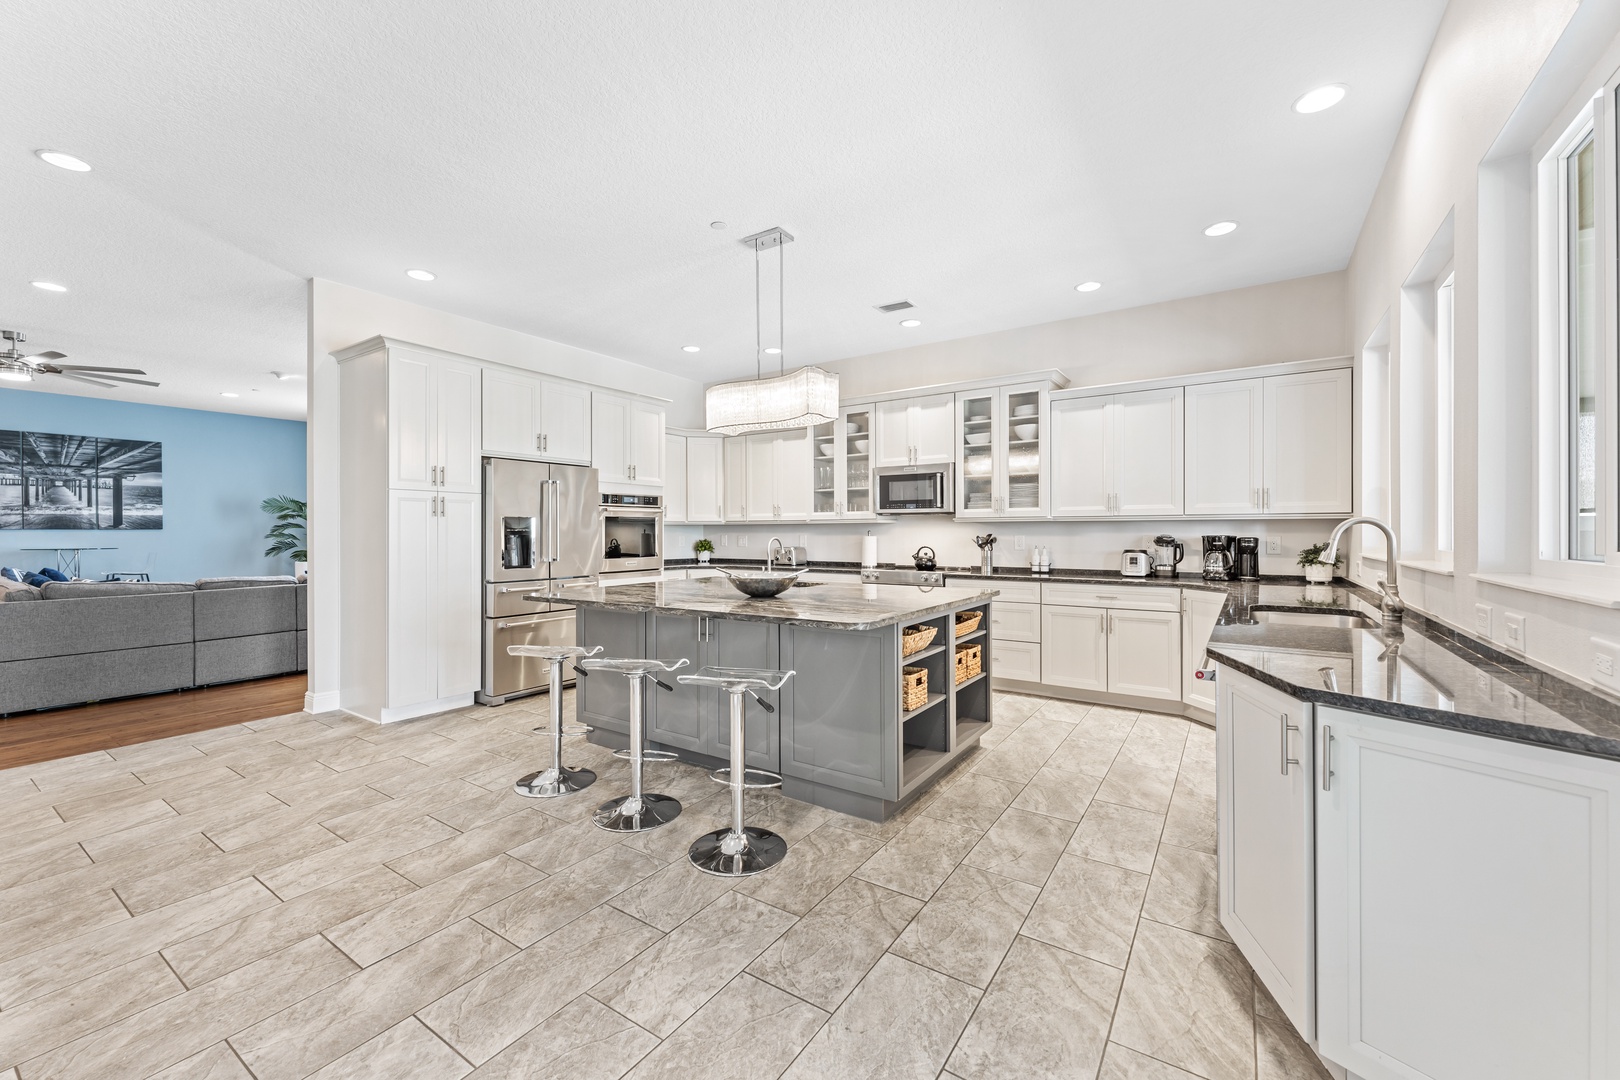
[
  {"x": 969, "y": 662},
  {"x": 914, "y": 639},
  {"x": 913, "y": 688},
  {"x": 967, "y": 622}
]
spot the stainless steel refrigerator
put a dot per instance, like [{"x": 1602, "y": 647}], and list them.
[{"x": 542, "y": 533}]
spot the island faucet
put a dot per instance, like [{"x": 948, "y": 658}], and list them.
[
  {"x": 772, "y": 549},
  {"x": 1391, "y": 605}
]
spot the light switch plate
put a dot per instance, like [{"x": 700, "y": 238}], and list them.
[
  {"x": 1513, "y": 630},
  {"x": 1482, "y": 620},
  {"x": 725, "y": 539}
]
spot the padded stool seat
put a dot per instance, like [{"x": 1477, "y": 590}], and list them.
[
  {"x": 638, "y": 811},
  {"x": 559, "y": 779}
]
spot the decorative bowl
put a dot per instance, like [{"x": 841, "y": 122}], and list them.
[
  {"x": 977, "y": 438},
  {"x": 1024, "y": 410},
  {"x": 861, "y": 445},
  {"x": 1025, "y": 431},
  {"x": 760, "y": 584},
  {"x": 825, "y": 448}
]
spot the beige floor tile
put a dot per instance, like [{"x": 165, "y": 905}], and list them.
[
  {"x": 527, "y": 916},
  {"x": 1123, "y": 1063},
  {"x": 383, "y": 931},
  {"x": 673, "y": 895},
  {"x": 1020, "y": 707},
  {"x": 171, "y": 886},
  {"x": 27, "y": 819},
  {"x": 813, "y": 868},
  {"x": 900, "y": 1023},
  {"x": 968, "y": 925},
  {"x": 218, "y": 1062},
  {"x": 1144, "y": 785},
  {"x": 1022, "y": 846},
  {"x": 921, "y": 857},
  {"x": 72, "y": 914},
  {"x": 405, "y": 808},
  {"x": 484, "y": 1016},
  {"x": 84, "y": 876},
  {"x": 558, "y": 849},
  {"x": 38, "y": 973},
  {"x": 486, "y": 807},
  {"x": 237, "y": 944},
  {"x": 672, "y": 842},
  {"x": 406, "y": 1050},
  {"x": 896, "y": 823},
  {"x": 113, "y": 801},
  {"x": 1012, "y": 760},
  {"x": 1189, "y": 1001},
  {"x": 1282, "y": 1055},
  {"x": 750, "y": 1029},
  {"x": 346, "y": 860},
  {"x": 975, "y": 801},
  {"x": 827, "y": 953},
  {"x": 1058, "y": 793},
  {"x": 38, "y": 864},
  {"x": 1089, "y": 908},
  {"x": 1046, "y": 1013},
  {"x": 454, "y": 762},
  {"x": 1122, "y": 835},
  {"x": 585, "y": 1041},
  {"x": 325, "y": 1026},
  {"x": 1190, "y": 822},
  {"x": 332, "y": 783},
  {"x": 665, "y": 985},
  {"x": 30, "y": 1029},
  {"x": 173, "y": 1030},
  {"x": 1090, "y": 750},
  {"x": 240, "y": 807},
  {"x": 480, "y": 842},
  {"x": 262, "y": 827},
  {"x": 1182, "y": 892},
  {"x": 1066, "y": 712},
  {"x": 1042, "y": 731},
  {"x": 46, "y": 839}
]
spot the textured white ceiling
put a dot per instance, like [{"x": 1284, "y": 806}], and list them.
[{"x": 558, "y": 164}]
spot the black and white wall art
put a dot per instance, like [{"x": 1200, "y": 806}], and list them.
[{"x": 79, "y": 482}]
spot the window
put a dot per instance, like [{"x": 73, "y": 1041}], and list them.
[
  {"x": 1583, "y": 347},
  {"x": 1445, "y": 445}
]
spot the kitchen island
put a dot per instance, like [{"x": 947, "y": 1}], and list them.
[{"x": 839, "y": 737}]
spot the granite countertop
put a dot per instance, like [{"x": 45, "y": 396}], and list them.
[
  {"x": 1423, "y": 672},
  {"x": 830, "y": 606}
]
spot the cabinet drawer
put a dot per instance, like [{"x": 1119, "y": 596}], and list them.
[
  {"x": 1015, "y": 622},
  {"x": 1013, "y": 592},
  {"x": 1122, "y": 597},
  {"x": 1019, "y": 660}
]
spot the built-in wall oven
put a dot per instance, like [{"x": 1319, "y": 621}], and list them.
[
  {"x": 632, "y": 535},
  {"x": 916, "y": 489}
]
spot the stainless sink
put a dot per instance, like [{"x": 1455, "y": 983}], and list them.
[{"x": 1328, "y": 619}]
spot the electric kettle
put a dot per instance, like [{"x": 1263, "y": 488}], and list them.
[{"x": 1167, "y": 555}]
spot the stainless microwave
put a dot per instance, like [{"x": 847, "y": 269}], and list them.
[{"x": 916, "y": 489}]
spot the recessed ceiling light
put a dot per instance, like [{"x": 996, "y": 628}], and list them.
[
  {"x": 1088, "y": 286},
  {"x": 420, "y": 275},
  {"x": 10, "y": 375},
  {"x": 910, "y": 322},
  {"x": 1323, "y": 97},
  {"x": 773, "y": 350},
  {"x": 62, "y": 161},
  {"x": 227, "y": 393},
  {"x": 717, "y": 224},
  {"x": 1220, "y": 228},
  {"x": 48, "y": 286},
  {"x": 690, "y": 348}
]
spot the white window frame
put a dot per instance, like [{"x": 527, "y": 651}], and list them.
[
  {"x": 1551, "y": 474},
  {"x": 1445, "y": 418}
]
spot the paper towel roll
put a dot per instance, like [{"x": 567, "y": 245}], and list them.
[{"x": 868, "y": 550}]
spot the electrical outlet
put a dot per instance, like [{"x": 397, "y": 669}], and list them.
[
  {"x": 804, "y": 540},
  {"x": 1273, "y": 545},
  {"x": 742, "y": 539},
  {"x": 1603, "y": 663},
  {"x": 1018, "y": 543},
  {"x": 1482, "y": 620},
  {"x": 1513, "y": 630}
]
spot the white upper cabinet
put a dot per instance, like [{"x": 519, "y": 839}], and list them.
[
  {"x": 627, "y": 442},
  {"x": 840, "y": 466},
  {"x": 675, "y": 493},
  {"x": 1308, "y": 443},
  {"x": 1117, "y": 455},
  {"x": 527, "y": 416},
  {"x": 734, "y": 489},
  {"x": 916, "y": 431},
  {"x": 433, "y": 422},
  {"x": 705, "y": 471},
  {"x": 1003, "y": 451},
  {"x": 779, "y": 477},
  {"x": 1224, "y": 451}
]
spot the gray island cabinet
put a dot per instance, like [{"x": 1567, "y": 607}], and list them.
[{"x": 839, "y": 736}]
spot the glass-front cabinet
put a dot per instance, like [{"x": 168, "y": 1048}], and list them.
[
  {"x": 1002, "y": 451},
  {"x": 841, "y": 465}
]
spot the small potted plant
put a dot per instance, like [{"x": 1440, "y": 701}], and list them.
[
  {"x": 1316, "y": 571},
  {"x": 286, "y": 536},
  {"x": 703, "y": 547}
]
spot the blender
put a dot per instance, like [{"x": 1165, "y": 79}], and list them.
[{"x": 1167, "y": 555}]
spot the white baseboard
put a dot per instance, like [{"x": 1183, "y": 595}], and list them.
[
  {"x": 424, "y": 708},
  {"x": 325, "y": 701}
]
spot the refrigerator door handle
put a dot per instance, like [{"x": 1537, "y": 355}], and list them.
[{"x": 554, "y": 519}]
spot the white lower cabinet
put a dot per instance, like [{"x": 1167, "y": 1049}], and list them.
[
  {"x": 1119, "y": 651},
  {"x": 1018, "y": 622},
  {"x": 1018, "y": 660},
  {"x": 1074, "y": 647},
  {"x": 434, "y": 616},
  {"x": 1199, "y": 612},
  {"x": 1468, "y": 905},
  {"x": 1264, "y": 846}
]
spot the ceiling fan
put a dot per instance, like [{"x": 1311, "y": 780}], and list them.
[{"x": 15, "y": 367}]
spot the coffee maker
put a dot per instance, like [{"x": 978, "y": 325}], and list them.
[
  {"x": 1167, "y": 555},
  {"x": 1246, "y": 565},
  {"x": 1218, "y": 556}
]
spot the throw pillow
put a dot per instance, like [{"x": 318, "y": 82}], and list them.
[
  {"x": 53, "y": 575},
  {"x": 36, "y": 580},
  {"x": 12, "y": 573}
]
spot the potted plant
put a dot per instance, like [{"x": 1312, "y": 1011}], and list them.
[
  {"x": 286, "y": 536},
  {"x": 703, "y": 547},
  {"x": 1317, "y": 571}
]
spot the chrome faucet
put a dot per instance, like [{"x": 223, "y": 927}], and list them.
[
  {"x": 1391, "y": 605},
  {"x": 774, "y": 548}
]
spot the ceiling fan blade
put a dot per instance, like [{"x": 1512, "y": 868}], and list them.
[
  {"x": 79, "y": 378},
  {"x": 52, "y": 355},
  {"x": 93, "y": 367},
  {"x": 122, "y": 379}
]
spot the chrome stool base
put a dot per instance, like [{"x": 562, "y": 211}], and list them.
[
  {"x": 550, "y": 783},
  {"x": 724, "y": 854},
  {"x": 647, "y": 755},
  {"x": 637, "y": 813}
]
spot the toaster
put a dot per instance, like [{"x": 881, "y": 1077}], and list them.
[{"x": 1135, "y": 563}]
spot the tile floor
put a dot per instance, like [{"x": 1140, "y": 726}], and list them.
[{"x": 317, "y": 896}]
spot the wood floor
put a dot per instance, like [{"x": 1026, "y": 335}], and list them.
[{"x": 60, "y": 733}]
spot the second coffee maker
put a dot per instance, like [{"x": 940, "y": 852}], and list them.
[{"x": 1246, "y": 564}]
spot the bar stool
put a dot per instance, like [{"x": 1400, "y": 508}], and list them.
[
  {"x": 559, "y": 779},
  {"x": 741, "y": 850},
  {"x": 638, "y": 811}
]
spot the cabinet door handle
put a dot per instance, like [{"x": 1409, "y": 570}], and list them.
[
  {"x": 1254, "y": 498},
  {"x": 1327, "y": 758},
  {"x": 1286, "y": 728},
  {"x": 1267, "y": 504}
]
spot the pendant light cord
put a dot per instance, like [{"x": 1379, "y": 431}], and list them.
[
  {"x": 781, "y": 308},
  {"x": 759, "y": 372}
]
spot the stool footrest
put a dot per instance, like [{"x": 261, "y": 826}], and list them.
[
  {"x": 753, "y": 779},
  {"x": 569, "y": 730},
  {"x": 648, "y": 757}
]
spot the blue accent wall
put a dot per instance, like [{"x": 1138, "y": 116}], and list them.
[{"x": 217, "y": 469}]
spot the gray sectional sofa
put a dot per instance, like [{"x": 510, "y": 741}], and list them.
[{"x": 72, "y": 642}]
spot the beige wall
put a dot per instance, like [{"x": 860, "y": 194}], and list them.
[{"x": 1301, "y": 319}]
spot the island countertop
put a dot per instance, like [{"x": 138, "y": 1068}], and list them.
[{"x": 829, "y": 606}]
